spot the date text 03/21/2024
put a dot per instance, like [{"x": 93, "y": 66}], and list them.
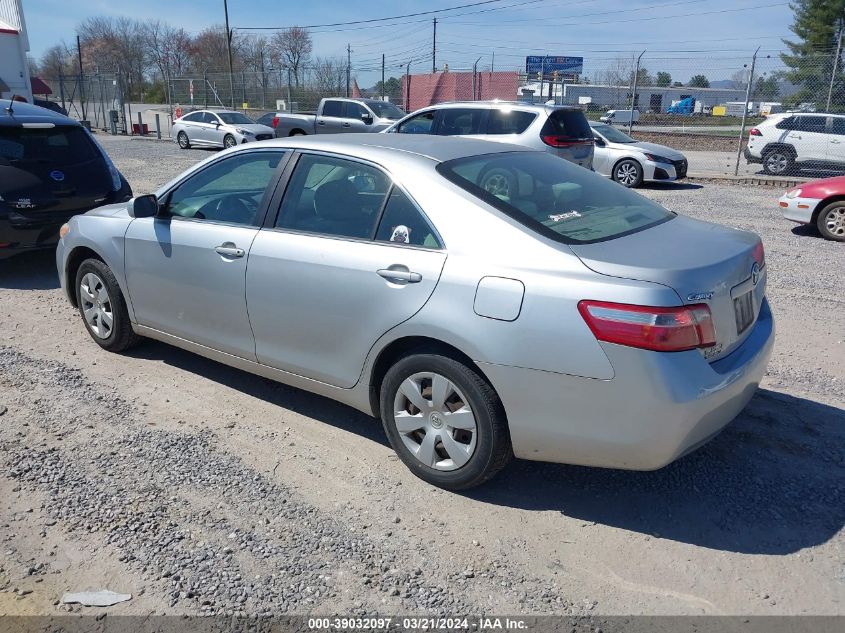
[{"x": 482, "y": 623}]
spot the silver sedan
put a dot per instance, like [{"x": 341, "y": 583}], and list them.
[
  {"x": 484, "y": 300},
  {"x": 218, "y": 128},
  {"x": 631, "y": 162}
]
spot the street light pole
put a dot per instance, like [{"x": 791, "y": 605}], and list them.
[
  {"x": 634, "y": 92},
  {"x": 229, "y": 52}
]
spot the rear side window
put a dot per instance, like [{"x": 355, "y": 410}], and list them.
[
  {"x": 509, "y": 121},
  {"x": 570, "y": 124},
  {"x": 786, "y": 124},
  {"x": 195, "y": 117},
  {"x": 555, "y": 198},
  {"x": 333, "y": 108},
  {"x": 58, "y": 146},
  {"x": 402, "y": 223},
  {"x": 459, "y": 121}
]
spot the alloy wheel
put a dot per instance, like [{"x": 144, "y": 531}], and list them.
[
  {"x": 834, "y": 221},
  {"x": 435, "y": 421},
  {"x": 183, "y": 140},
  {"x": 776, "y": 163},
  {"x": 96, "y": 305},
  {"x": 627, "y": 174},
  {"x": 229, "y": 141}
]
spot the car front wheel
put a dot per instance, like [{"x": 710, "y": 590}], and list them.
[
  {"x": 628, "y": 173},
  {"x": 103, "y": 307},
  {"x": 444, "y": 421},
  {"x": 831, "y": 222},
  {"x": 229, "y": 141}
]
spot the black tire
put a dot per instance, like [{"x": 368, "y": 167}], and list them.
[
  {"x": 492, "y": 443},
  {"x": 120, "y": 335},
  {"x": 831, "y": 221},
  {"x": 778, "y": 161},
  {"x": 296, "y": 133},
  {"x": 628, "y": 173},
  {"x": 229, "y": 141},
  {"x": 499, "y": 182},
  {"x": 182, "y": 139}
]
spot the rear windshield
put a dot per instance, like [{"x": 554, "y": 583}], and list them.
[
  {"x": 554, "y": 197},
  {"x": 57, "y": 146},
  {"x": 567, "y": 123}
]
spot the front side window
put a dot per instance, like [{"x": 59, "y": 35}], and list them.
[
  {"x": 403, "y": 223},
  {"x": 210, "y": 117},
  {"x": 229, "y": 190},
  {"x": 333, "y": 196},
  {"x": 504, "y": 121},
  {"x": 555, "y": 198},
  {"x": 333, "y": 108},
  {"x": 612, "y": 134},
  {"x": 838, "y": 126},
  {"x": 460, "y": 121},
  {"x": 420, "y": 124},
  {"x": 354, "y": 111}
]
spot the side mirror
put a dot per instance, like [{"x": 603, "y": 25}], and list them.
[
  {"x": 600, "y": 142},
  {"x": 367, "y": 118},
  {"x": 143, "y": 206}
]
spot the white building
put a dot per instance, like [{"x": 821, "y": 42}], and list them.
[{"x": 14, "y": 45}]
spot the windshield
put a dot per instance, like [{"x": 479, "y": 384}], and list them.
[
  {"x": 613, "y": 135},
  {"x": 235, "y": 118},
  {"x": 557, "y": 199},
  {"x": 385, "y": 110},
  {"x": 57, "y": 146}
]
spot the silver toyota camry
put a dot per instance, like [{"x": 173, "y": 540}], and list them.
[{"x": 484, "y": 300}]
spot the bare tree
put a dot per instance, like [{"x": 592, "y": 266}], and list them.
[
  {"x": 56, "y": 60},
  {"x": 292, "y": 48},
  {"x": 208, "y": 50},
  {"x": 329, "y": 75},
  {"x": 168, "y": 48}
]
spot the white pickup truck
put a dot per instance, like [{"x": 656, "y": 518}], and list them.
[{"x": 340, "y": 115}]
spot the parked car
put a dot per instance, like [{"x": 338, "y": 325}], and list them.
[
  {"x": 820, "y": 203},
  {"x": 218, "y": 128},
  {"x": 790, "y": 141},
  {"x": 50, "y": 169},
  {"x": 620, "y": 117},
  {"x": 340, "y": 116},
  {"x": 560, "y": 130},
  {"x": 271, "y": 119},
  {"x": 570, "y": 320},
  {"x": 50, "y": 105},
  {"x": 630, "y": 162}
]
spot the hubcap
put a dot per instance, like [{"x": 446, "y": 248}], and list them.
[
  {"x": 776, "y": 163},
  {"x": 834, "y": 221},
  {"x": 183, "y": 139},
  {"x": 96, "y": 305},
  {"x": 435, "y": 421},
  {"x": 497, "y": 185},
  {"x": 626, "y": 173}
]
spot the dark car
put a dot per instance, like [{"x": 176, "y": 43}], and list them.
[
  {"x": 51, "y": 168},
  {"x": 50, "y": 105}
]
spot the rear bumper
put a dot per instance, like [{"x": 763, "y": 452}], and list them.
[
  {"x": 798, "y": 209},
  {"x": 751, "y": 158},
  {"x": 18, "y": 235},
  {"x": 658, "y": 406}
]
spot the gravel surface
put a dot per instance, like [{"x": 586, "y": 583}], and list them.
[{"x": 201, "y": 489}]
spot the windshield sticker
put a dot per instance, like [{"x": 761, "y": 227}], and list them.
[{"x": 565, "y": 216}]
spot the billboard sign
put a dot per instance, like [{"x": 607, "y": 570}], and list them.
[{"x": 565, "y": 65}]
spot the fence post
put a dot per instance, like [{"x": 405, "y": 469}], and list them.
[
  {"x": 474, "y": 76},
  {"x": 62, "y": 89},
  {"x": 835, "y": 67},
  {"x": 290, "y": 103},
  {"x": 634, "y": 92},
  {"x": 745, "y": 111},
  {"x": 158, "y": 126}
]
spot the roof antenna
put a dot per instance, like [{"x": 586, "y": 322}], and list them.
[{"x": 11, "y": 104}]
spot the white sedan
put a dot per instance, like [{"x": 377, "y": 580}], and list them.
[{"x": 630, "y": 162}]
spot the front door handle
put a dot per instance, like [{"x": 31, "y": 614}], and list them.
[
  {"x": 228, "y": 249},
  {"x": 347, "y": 125},
  {"x": 321, "y": 122},
  {"x": 400, "y": 275},
  {"x": 835, "y": 142}
]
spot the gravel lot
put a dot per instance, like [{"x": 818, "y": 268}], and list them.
[{"x": 201, "y": 489}]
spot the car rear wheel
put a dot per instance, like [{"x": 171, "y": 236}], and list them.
[
  {"x": 183, "y": 141},
  {"x": 831, "y": 221},
  {"x": 628, "y": 173},
  {"x": 778, "y": 162},
  {"x": 103, "y": 307},
  {"x": 229, "y": 141},
  {"x": 444, "y": 421}
]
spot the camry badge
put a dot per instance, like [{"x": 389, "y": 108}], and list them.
[
  {"x": 57, "y": 175},
  {"x": 755, "y": 274},
  {"x": 700, "y": 296}
]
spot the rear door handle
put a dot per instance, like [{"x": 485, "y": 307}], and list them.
[
  {"x": 321, "y": 122},
  {"x": 400, "y": 275},
  {"x": 228, "y": 249},
  {"x": 835, "y": 142}
]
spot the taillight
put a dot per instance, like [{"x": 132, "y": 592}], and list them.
[
  {"x": 754, "y": 132},
  {"x": 275, "y": 121},
  {"x": 759, "y": 254},
  {"x": 554, "y": 140},
  {"x": 654, "y": 328}
]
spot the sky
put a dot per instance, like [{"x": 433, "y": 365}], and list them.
[{"x": 683, "y": 37}]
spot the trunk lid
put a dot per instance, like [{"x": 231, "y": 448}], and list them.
[{"x": 703, "y": 262}]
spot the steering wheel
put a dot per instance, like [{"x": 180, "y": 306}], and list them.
[{"x": 236, "y": 207}]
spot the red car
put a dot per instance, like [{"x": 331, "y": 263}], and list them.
[{"x": 820, "y": 202}]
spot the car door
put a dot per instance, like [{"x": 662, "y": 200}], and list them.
[
  {"x": 809, "y": 137},
  {"x": 353, "y": 117},
  {"x": 330, "y": 120},
  {"x": 836, "y": 141},
  {"x": 214, "y": 131},
  {"x": 186, "y": 269},
  {"x": 348, "y": 257},
  {"x": 192, "y": 124},
  {"x": 602, "y": 155}
]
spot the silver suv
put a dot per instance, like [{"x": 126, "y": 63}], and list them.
[{"x": 561, "y": 130}]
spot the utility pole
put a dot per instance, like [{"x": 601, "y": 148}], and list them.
[
  {"x": 81, "y": 79},
  {"x": 408, "y": 87},
  {"x": 835, "y": 65},
  {"x": 745, "y": 110},
  {"x": 229, "y": 52},
  {"x": 434, "y": 48},
  {"x": 382, "y": 77},
  {"x": 263, "y": 81},
  {"x": 634, "y": 92},
  {"x": 348, "y": 65}
]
